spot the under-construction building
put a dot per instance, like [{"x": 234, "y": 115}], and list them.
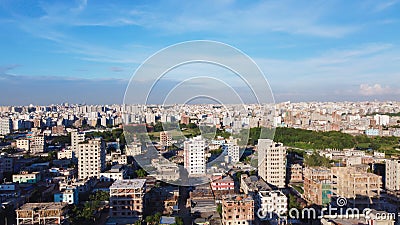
[
  {"x": 126, "y": 198},
  {"x": 41, "y": 213},
  {"x": 359, "y": 187},
  {"x": 317, "y": 185}
]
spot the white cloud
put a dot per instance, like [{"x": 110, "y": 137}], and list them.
[{"x": 376, "y": 89}]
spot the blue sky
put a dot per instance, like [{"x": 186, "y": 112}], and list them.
[{"x": 86, "y": 51}]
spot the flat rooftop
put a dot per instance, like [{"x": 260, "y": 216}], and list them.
[
  {"x": 132, "y": 183},
  {"x": 43, "y": 206}
]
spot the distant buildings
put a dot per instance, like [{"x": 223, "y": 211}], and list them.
[
  {"x": 127, "y": 198},
  {"x": 91, "y": 158},
  {"x": 194, "y": 156},
  {"x": 272, "y": 162},
  {"x": 237, "y": 209}
]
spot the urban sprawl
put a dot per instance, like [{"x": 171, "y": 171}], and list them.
[{"x": 83, "y": 164}]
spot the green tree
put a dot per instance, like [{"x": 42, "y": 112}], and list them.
[{"x": 141, "y": 173}]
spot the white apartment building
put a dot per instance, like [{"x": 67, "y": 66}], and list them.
[
  {"x": 392, "y": 175},
  {"x": 76, "y": 138},
  {"x": 272, "y": 203},
  {"x": 272, "y": 162},
  {"x": 233, "y": 152},
  {"x": 126, "y": 198},
  {"x": 65, "y": 154},
  {"x": 23, "y": 144},
  {"x": 6, "y": 126},
  {"x": 37, "y": 144},
  {"x": 91, "y": 158},
  {"x": 135, "y": 148},
  {"x": 117, "y": 172},
  {"x": 194, "y": 156}
]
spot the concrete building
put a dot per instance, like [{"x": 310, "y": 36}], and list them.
[
  {"x": 6, "y": 126},
  {"x": 6, "y": 164},
  {"x": 357, "y": 185},
  {"x": 237, "y": 209},
  {"x": 42, "y": 213},
  {"x": 271, "y": 203},
  {"x": 253, "y": 184},
  {"x": 23, "y": 144},
  {"x": 133, "y": 149},
  {"x": 392, "y": 178},
  {"x": 126, "y": 198},
  {"x": 295, "y": 173},
  {"x": 165, "y": 138},
  {"x": 194, "y": 156},
  {"x": 317, "y": 185},
  {"x": 116, "y": 172},
  {"x": 76, "y": 138},
  {"x": 26, "y": 178},
  {"x": 66, "y": 154},
  {"x": 91, "y": 158},
  {"x": 69, "y": 196},
  {"x": 272, "y": 162},
  {"x": 36, "y": 144},
  {"x": 233, "y": 152}
]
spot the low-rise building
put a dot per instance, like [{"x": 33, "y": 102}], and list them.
[
  {"x": 26, "y": 178},
  {"x": 42, "y": 213},
  {"x": 126, "y": 198},
  {"x": 117, "y": 172},
  {"x": 237, "y": 209},
  {"x": 271, "y": 203},
  {"x": 295, "y": 173},
  {"x": 69, "y": 196}
]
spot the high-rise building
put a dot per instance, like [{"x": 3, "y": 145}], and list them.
[
  {"x": 233, "y": 152},
  {"x": 126, "y": 198},
  {"x": 194, "y": 156},
  {"x": 91, "y": 158},
  {"x": 6, "y": 125},
  {"x": 392, "y": 180},
  {"x": 272, "y": 162},
  {"x": 76, "y": 138}
]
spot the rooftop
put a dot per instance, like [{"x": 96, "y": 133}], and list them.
[
  {"x": 43, "y": 206},
  {"x": 132, "y": 183}
]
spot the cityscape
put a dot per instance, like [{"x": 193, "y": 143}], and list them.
[
  {"x": 218, "y": 112},
  {"x": 73, "y": 163}
]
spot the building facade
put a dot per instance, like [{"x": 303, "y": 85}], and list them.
[
  {"x": 237, "y": 210},
  {"x": 194, "y": 156},
  {"x": 392, "y": 178},
  {"x": 272, "y": 162},
  {"x": 91, "y": 158},
  {"x": 126, "y": 198}
]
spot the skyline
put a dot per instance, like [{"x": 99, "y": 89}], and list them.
[{"x": 87, "y": 51}]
